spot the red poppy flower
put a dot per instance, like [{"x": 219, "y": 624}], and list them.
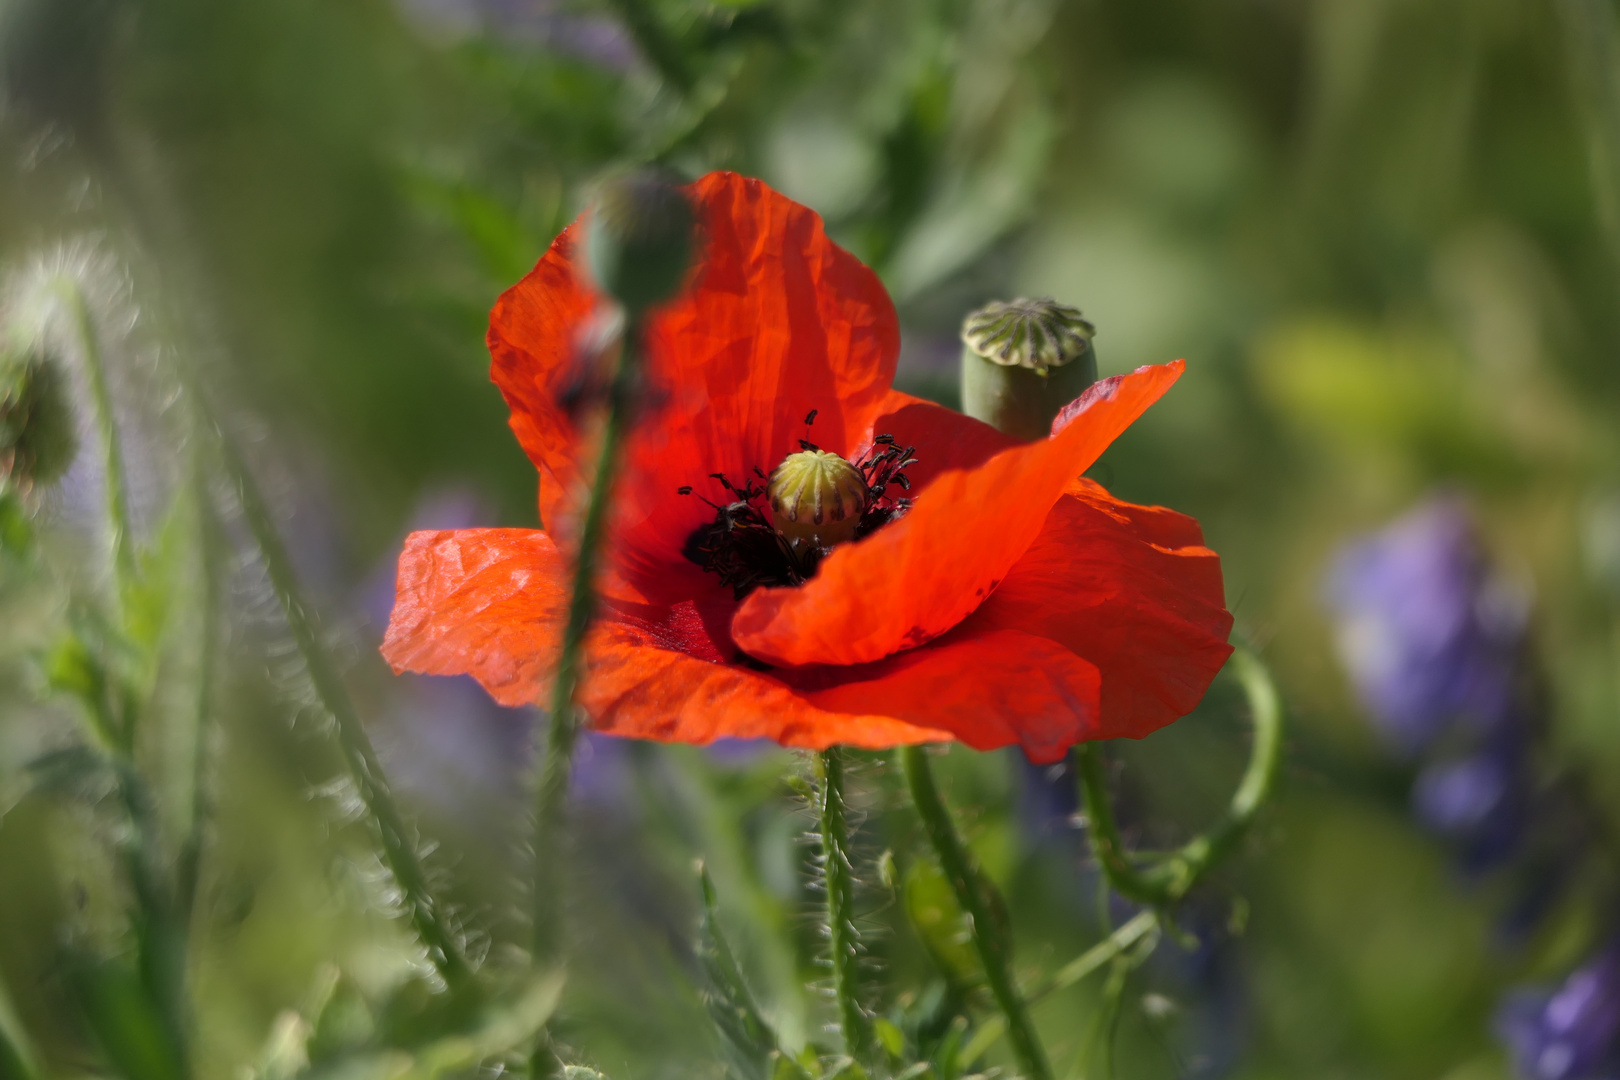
[{"x": 1012, "y": 601}]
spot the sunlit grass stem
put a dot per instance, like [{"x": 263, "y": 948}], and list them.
[
  {"x": 968, "y": 883},
  {"x": 114, "y": 707},
  {"x": 399, "y": 852},
  {"x": 1093, "y": 959},
  {"x": 82, "y": 320}
]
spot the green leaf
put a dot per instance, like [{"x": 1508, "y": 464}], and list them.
[
  {"x": 938, "y": 919},
  {"x": 127, "y": 1024},
  {"x": 752, "y": 1047},
  {"x": 893, "y": 1040}
]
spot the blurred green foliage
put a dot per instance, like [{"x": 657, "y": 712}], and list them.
[{"x": 1383, "y": 233}]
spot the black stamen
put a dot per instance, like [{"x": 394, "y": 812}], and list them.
[
  {"x": 808, "y": 420},
  {"x": 684, "y": 489},
  {"x": 742, "y": 548}
]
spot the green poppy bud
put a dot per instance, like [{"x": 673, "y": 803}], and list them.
[
  {"x": 1022, "y": 361},
  {"x": 639, "y": 239},
  {"x": 37, "y": 436},
  {"x": 817, "y": 497}
]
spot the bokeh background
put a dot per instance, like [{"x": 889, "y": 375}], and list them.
[{"x": 1384, "y": 233}]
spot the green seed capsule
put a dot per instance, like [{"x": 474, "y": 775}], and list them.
[
  {"x": 817, "y": 497},
  {"x": 37, "y": 436},
  {"x": 1022, "y": 361}
]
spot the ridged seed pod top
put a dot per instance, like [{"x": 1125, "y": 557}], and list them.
[
  {"x": 1035, "y": 334},
  {"x": 817, "y": 496}
]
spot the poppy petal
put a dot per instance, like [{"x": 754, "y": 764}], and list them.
[
  {"x": 945, "y": 439},
  {"x": 639, "y": 689},
  {"x": 919, "y": 576},
  {"x": 1133, "y": 590},
  {"x": 990, "y": 689},
  {"x": 489, "y": 603},
  {"x": 778, "y": 321}
]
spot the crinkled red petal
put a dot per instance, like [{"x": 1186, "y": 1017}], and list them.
[
  {"x": 1134, "y": 591},
  {"x": 994, "y": 689},
  {"x": 919, "y": 576},
  {"x": 778, "y": 321},
  {"x": 491, "y": 602}
]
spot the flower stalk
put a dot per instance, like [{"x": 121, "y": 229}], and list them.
[
  {"x": 552, "y": 792},
  {"x": 1165, "y": 882},
  {"x": 842, "y": 944},
  {"x": 399, "y": 853},
  {"x": 972, "y": 893}
]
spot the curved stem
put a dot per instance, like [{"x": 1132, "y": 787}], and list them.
[
  {"x": 840, "y": 881},
  {"x": 399, "y": 853},
  {"x": 551, "y": 796},
  {"x": 968, "y": 882},
  {"x": 1170, "y": 879}
]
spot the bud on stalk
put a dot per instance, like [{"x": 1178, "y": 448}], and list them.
[
  {"x": 1022, "y": 361},
  {"x": 37, "y": 436},
  {"x": 638, "y": 241}
]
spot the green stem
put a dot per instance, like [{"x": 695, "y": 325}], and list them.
[
  {"x": 208, "y": 545},
  {"x": 968, "y": 882},
  {"x": 550, "y": 848},
  {"x": 1592, "y": 40},
  {"x": 18, "y": 1060},
  {"x": 160, "y": 936},
  {"x": 1091, "y": 960},
  {"x": 83, "y": 320},
  {"x": 842, "y": 944},
  {"x": 399, "y": 854},
  {"x": 1167, "y": 881}
]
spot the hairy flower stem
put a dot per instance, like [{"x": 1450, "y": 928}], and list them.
[
  {"x": 1167, "y": 881},
  {"x": 995, "y": 952},
  {"x": 83, "y": 321},
  {"x": 551, "y": 805},
  {"x": 399, "y": 853},
  {"x": 839, "y": 872}
]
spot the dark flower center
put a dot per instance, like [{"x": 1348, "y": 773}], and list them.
[{"x": 774, "y": 530}]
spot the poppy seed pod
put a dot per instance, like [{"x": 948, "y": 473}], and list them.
[
  {"x": 639, "y": 242},
  {"x": 37, "y": 437},
  {"x": 817, "y": 497},
  {"x": 1022, "y": 361}
]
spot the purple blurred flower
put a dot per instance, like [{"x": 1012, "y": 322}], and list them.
[
  {"x": 1431, "y": 638},
  {"x": 1479, "y": 801},
  {"x": 1048, "y": 801},
  {"x": 1572, "y": 1033}
]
